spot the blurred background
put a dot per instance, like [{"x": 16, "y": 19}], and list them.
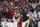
[{"x": 8, "y": 9}]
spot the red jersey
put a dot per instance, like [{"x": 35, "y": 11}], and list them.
[{"x": 19, "y": 24}]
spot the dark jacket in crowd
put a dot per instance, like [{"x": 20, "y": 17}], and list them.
[{"x": 0, "y": 25}]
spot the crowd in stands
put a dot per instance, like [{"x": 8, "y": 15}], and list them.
[{"x": 18, "y": 9}]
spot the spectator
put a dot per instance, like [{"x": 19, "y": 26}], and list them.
[
  {"x": 0, "y": 24},
  {"x": 19, "y": 24},
  {"x": 34, "y": 5},
  {"x": 9, "y": 24},
  {"x": 4, "y": 22}
]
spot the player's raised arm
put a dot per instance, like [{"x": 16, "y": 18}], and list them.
[{"x": 28, "y": 16}]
